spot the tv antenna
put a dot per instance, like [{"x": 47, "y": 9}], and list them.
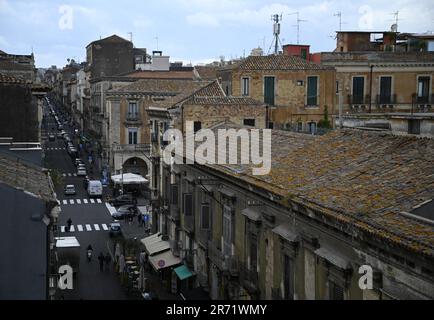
[
  {"x": 339, "y": 15},
  {"x": 276, "y": 32},
  {"x": 298, "y": 25},
  {"x": 395, "y": 15},
  {"x": 131, "y": 36}
]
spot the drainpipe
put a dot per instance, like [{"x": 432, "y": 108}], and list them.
[{"x": 370, "y": 90}]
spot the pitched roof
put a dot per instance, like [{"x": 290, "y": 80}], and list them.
[
  {"x": 160, "y": 86},
  {"x": 279, "y": 62},
  {"x": 195, "y": 99},
  {"x": 112, "y": 39},
  {"x": 362, "y": 178},
  {"x": 206, "y": 73},
  {"x": 162, "y": 74},
  {"x": 19, "y": 174}
]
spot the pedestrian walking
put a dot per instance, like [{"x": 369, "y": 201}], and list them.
[
  {"x": 108, "y": 259},
  {"x": 139, "y": 219},
  {"x": 69, "y": 222},
  {"x": 117, "y": 252},
  {"x": 101, "y": 261}
]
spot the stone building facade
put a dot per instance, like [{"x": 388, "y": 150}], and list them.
[
  {"x": 310, "y": 228},
  {"x": 297, "y": 91}
]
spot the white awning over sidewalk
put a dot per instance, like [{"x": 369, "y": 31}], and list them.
[
  {"x": 129, "y": 178},
  {"x": 164, "y": 260},
  {"x": 155, "y": 244}
]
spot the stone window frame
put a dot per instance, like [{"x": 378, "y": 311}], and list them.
[
  {"x": 249, "y": 79},
  {"x": 392, "y": 83},
  {"x": 364, "y": 86},
  {"x": 429, "y": 86}
]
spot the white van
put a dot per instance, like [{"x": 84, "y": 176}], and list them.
[{"x": 94, "y": 189}]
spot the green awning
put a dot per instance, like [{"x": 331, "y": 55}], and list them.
[{"x": 183, "y": 272}]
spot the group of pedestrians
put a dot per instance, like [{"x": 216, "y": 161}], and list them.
[{"x": 104, "y": 260}]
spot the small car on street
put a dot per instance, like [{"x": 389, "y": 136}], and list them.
[
  {"x": 81, "y": 171},
  {"x": 124, "y": 212},
  {"x": 51, "y": 137},
  {"x": 115, "y": 229},
  {"x": 70, "y": 190},
  {"x": 126, "y": 199}
]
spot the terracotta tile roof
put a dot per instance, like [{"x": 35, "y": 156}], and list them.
[
  {"x": 172, "y": 86},
  {"x": 9, "y": 79},
  {"x": 223, "y": 100},
  {"x": 18, "y": 174},
  {"x": 112, "y": 39},
  {"x": 365, "y": 179},
  {"x": 162, "y": 74},
  {"x": 206, "y": 73},
  {"x": 279, "y": 62}
]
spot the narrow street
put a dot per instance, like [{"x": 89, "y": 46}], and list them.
[{"x": 90, "y": 223}]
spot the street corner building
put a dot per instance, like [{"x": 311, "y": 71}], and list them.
[
  {"x": 331, "y": 206},
  {"x": 29, "y": 212}
]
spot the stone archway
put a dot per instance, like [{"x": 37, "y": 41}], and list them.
[{"x": 136, "y": 165}]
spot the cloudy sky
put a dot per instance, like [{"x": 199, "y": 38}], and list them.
[{"x": 193, "y": 30}]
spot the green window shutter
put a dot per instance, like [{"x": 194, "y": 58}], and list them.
[{"x": 312, "y": 91}]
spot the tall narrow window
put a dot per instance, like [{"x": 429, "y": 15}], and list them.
[
  {"x": 227, "y": 231},
  {"x": 385, "y": 90},
  {"x": 288, "y": 275},
  {"x": 132, "y": 136},
  {"x": 269, "y": 90},
  {"x": 205, "y": 216},
  {"x": 246, "y": 86},
  {"x": 133, "y": 111},
  {"x": 253, "y": 253},
  {"x": 304, "y": 54},
  {"x": 358, "y": 90},
  {"x": 423, "y": 84},
  {"x": 312, "y": 91}
]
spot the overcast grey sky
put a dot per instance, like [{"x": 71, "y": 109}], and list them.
[{"x": 193, "y": 30}]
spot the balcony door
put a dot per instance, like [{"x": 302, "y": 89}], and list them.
[
  {"x": 423, "y": 84},
  {"x": 269, "y": 90},
  {"x": 385, "y": 90},
  {"x": 358, "y": 90}
]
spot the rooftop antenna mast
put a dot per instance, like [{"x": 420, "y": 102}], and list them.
[
  {"x": 156, "y": 38},
  {"x": 339, "y": 15},
  {"x": 395, "y": 14},
  {"x": 276, "y": 32},
  {"x": 298, "y": 25},
  {"x": 131, "y": 36}
]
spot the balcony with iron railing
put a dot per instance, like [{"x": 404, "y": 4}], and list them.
[
  {"x": 223, "y": 262},
  {"x": 133, "y": 118},
  {"x": 358, "y": 99}
]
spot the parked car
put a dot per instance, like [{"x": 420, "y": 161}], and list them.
[
  {"x": 81, "y": 172},
  {"x": 115, "y": 229},
  {"x": 124, "y": 212},
  {"x": 51, "y": 137},
  {"x": 59, "y": 135},
  {"x": 126, "y": 199},
  {"x": 70, "y": 190}
]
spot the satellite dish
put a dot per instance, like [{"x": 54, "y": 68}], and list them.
[{"x": 394, "y": 27}]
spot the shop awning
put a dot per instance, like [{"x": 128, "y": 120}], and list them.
[
  {"x": 164, "y": 260},
  {"x": 183, "y": 272},
  {"x": 253, "y": 214},
  {"x": 286, "y": 232},
  {"x": 129, "y": 178},
  {"x": 155, "y": 244}
]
